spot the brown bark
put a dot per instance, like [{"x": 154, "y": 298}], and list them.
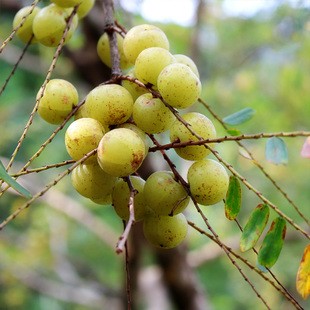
[{"x": 181, "y": 280}]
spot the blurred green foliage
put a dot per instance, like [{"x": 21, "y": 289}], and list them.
[{"x": 260, "y": 62}]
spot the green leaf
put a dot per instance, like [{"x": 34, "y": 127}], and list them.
[
  {"x": 276, "y": 151},
  {"x": 272, "y": 244},
  {"x": 239, "y": 117},
  {"x": 10, "y": 181},
  {"x": 254, "y": 227},
  {"x": 233, "y": 198},
  {"x": 234, "y": 132}
]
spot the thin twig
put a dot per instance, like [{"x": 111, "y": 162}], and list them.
[
  {"x": 258, "y": 271},
  {"x": 285, "y": 292},
  {"x": 44, "y": 168},
  {"x": 123, "y": 238},
  {"x": 178, "y": 144},
  {"x": 241, "y": 178},
  {"x": 11, "y": 36},
  {"x": 47, "y": 78},
  {"x": 46, "y": 188},
  {"x": 15, "y": 66},
  {"x": 206, "y": 221},
  {"x": 256, "y": 163}
]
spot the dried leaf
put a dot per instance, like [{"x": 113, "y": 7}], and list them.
[{"x": 303, "y": 274}]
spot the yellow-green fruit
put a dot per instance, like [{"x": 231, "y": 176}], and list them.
[
  {"x": 25, "y": 32},
  {"x": 50, "y": 23},
  {"x": 141, "y": 37},
  {"x": 151, "y": 115},
  {"x": 83, "y": 136},
  {"x": 84, "y": 8},
  {"x": 92, "y": 182},
  {"x": 67, "y": 3},
  {"x": 120, "y": 198},
  {"x": 183, "y": 59},
  {"x": 134, "y": 89},
  {"x": 164, "y": 195},
  {"x": 165, "y": 231},
  {"x": 139, "y": 132},
  {"x": 110, "y": 104},
  {"x": 104, "y": 52},
  {"x": 121, "y": 152},
  {"x": 150, "y": 62},
  {"x": 179, "y": 85},
  {"x": 202, "y": 126},
  {"x": 208, "y": 181},
  {"x": 59, "y": 98}
]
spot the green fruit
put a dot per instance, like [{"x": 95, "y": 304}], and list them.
[
  {"x": 151, "y": 115},
  {"x": 121, "y": 152},
  {"x": 208, "y": 181},
  {"x": 141, "y": 37},
  {"x": 165, "y": 231},
  {"x": 202, "y": 126},
  {"x": 110, "y": 104},
  {"x": 183, "y": 59},
  {"x": 134, "y": 89},
  {"x": 83, "y": 136},
  {"x": 150, "y": 62},
  {"x": 50, "y": 23},
  {"x": 84, "y": 8},
  {"x": 164, "y": 195},
  {"x": 59, "y": 98},
  {"x": 67, "y": 3},
  {"x": 179, "y": 85},
  {"x": 92, "y": 182},
  {"x": 139, "y": 132},
  {"x": 104, "y": 52},
  {"x": 120, "y": 198},
  {"x": 25, "y": 32}
]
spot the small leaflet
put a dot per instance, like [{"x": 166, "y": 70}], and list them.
[
  {"x": 233, "y": 198},
  {"x": 254, "y": 227},
  {"x": 303, "y": 274},
  {"x": 272, "y": 244},
  {"x": 239, "y": 117},
  {"x": 12, "y": 182},
  {"x": 305, "y": 151},
  {"x": 234, "y": 132},
  {"x": 276, "y": 151}
]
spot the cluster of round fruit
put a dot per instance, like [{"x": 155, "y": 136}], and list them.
[
  {"x": 116, "y": 121},
  {"x": 47, "y": 25}
]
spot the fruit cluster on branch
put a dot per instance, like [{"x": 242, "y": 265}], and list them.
[{"x": 118, "y": 118}]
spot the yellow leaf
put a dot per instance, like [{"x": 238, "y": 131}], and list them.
[{"x": 303, "y": 274}]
